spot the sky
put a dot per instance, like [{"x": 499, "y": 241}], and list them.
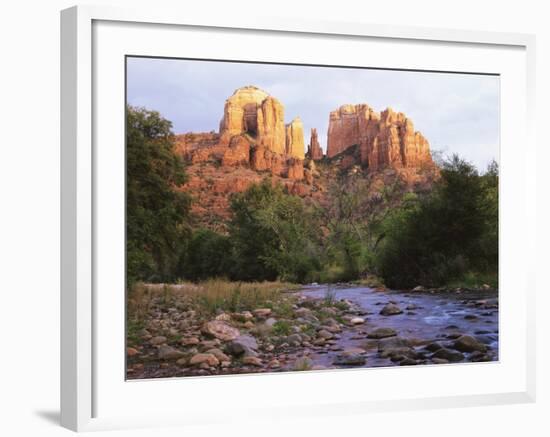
[{"x": 457, "y": 113}]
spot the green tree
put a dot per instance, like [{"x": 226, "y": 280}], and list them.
[
  {"x": 353, "y": 215},
  {"x": 273, "y": 235},
  {"x": 443, "y": 235},
  {"x": 156, "y": 212},
  {"x": 207, "y": 255}
]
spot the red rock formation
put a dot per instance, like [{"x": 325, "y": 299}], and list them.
[
  {"x": 314, "y": 150},
  {"x": 384, "y": 140},
  {"x": 238, "y": 152},
  {"x": 295, "y": 169},
  {"x": 253, "y": 112},
  {"x": 295, "y": 139},
  {"x": 263, "y": 159}
]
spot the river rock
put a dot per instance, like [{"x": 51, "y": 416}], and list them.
[
  {"x": 351, "y": 357},
  {"x": 131, "y": 352},
  {"x": 243, "y": 317},
  {"x": 224, "y": 317},
  {"x": 209, "y": 344},
  {"x": 440, "y": 361},
  {"x": 398, "y": 353},
  {"x": 220, "y": 330},
  {"x": 218, "y": 354},
  {"x": 448, "y": 354},
  {"x": 303, "y": 363},
  {"x": 182, "y": 362},
  {"x": 270, "y": 322},
  {"x": 391, "y": 310},
  {"x": 478, "y": 356},
  {"x": 166, "y": 352},
  {"x": 323, "y": 333},
  {"x": 432, "y": 347},
  {"x": 467, "y": 343},
  {"x": 206, "y": 358},
  {"x": 302, "y": 312},
  {"x": 382, "y": 333},
  {"x": 159, "y": 339},
  {"x": 357, "y": 321},
  {"x": 393, "y": 342},
  {"x": 252, "y": 361},
  {"x": 190, "y": 341},
  {"x": 243, "y": 345},
  {"x": 262, "y": 313}
]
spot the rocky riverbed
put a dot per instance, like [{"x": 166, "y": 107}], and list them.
[{"x": 318, "y": 327}]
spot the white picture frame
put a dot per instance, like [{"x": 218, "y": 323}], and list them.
[{"x": 87, "y": 402}]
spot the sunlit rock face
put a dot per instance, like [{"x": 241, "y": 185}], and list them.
[
  {"x": 256, "y": 119},
  {"x": 386, "y": 139},
  {"x": 254, "y": 142},
  {"x": 295, "y": 139},
  {"x": 253, "y": 112}
]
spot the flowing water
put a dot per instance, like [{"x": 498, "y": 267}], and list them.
[{"x": 426, "y": 317}]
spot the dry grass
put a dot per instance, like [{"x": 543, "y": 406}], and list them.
[{"x": 207, "y": 297}]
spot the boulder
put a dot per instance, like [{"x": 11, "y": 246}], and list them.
[
  {"x": 130, "y": 351},
  {"x": 303, "y": 363},
  {"x": 323, "y": 333},
  {"x": 391, "y": 310},
  {"x": 382, "y": 333},
  {"x": 199, "y": 359},
  {"x": 159, "y": 339},
  {"x": 218, "y": 354},
  {"x": 242, "y": 345},
  {"x": 262, "y": 313},
  {"x": 448, "y": 354},
  {"x": 252, "y": 361},
  {"x": 220, "y": 330},
  {"x": 190, "y": 341},
  {"x": 166, "y": 352},
  {"x": 432, "y": 347},
  {"x": 351, "y": 357},
  {"x": 467, "y": 343},
  {"x": 294, "y": 339},
  {"x": 398, "y": 353},
  {"x": 393, "y": 342}
]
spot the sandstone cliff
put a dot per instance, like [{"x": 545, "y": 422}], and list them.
[
  {"x": 254, "y": 142},
  {"x": 314, "y": 150},
  {"x": 253, "y": 134},
  {"x": 384, "y": 140},
  {"x": 295, "y": 139},
  {"x": 253, "y": 112}
]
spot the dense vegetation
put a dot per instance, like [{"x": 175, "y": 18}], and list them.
[
  {"x": 157, "y": 215},
  {"x": 446, "y": 236},
  {"x": 450, "y": 234}
]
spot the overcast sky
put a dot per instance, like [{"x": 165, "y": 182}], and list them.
[{"x": 457, "y": 113}]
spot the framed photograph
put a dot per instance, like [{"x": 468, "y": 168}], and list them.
[{"x": 291, "y": 218}]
